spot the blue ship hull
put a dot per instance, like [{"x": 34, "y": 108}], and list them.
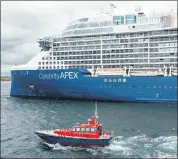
[
  {"x": 75, "y": 83},
  {"x": 71, "y": 141}
]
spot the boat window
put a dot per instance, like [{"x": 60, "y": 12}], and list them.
[
  {"x": 73, "y": 129},
  {"x": 77, "y": 129},
  {"x": 82, "y": 129},
  {"x": 87, "y": 129},
  {"x": 105, "y": 80},
  {"x": 93, "y": 129}
]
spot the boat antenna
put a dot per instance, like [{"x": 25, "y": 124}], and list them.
[{"x": 96, "y": 112}]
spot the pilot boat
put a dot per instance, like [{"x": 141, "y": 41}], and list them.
[{"x": 85, "y": 135}]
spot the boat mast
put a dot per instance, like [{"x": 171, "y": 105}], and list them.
[{"x": 96, "y": 111}]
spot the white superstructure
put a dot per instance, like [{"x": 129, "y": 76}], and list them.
[{"x": 118, "y": 41}]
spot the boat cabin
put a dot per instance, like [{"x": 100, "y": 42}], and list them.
[{"x": 90, "y": 130}]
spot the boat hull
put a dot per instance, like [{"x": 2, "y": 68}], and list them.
[
  {"x": 71, "y": 141},
  {"x": 72, "y": 83}
]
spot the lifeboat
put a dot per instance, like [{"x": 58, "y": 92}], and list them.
[{"x": 85, "y": 135}]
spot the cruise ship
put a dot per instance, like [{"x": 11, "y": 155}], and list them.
[{"x": 110, "y": 57}]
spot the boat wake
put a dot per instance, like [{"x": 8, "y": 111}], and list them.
[{"x": 140, "y": 146}]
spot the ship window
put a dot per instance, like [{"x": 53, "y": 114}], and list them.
[
  {"x": 39, "y": 63},
  {"x": 159, "y": 86},
  {"x": 77, "y": 129},
  {"x": 39, "y": 67},
  {"x": 114, "y": 80},
  {"x": 50, "y": 58},
  {"x": 87, "y": 129},
  {"x": 93, "y": 129},
  {"x": 82, "y": 129},
  {"x": 110, "y": 80},
  {"x": 165, "y": 86},
  {"x": 46, "y": 62},
  {"x": 170, "y": 87},
  {"x": 43, "y": 63},
  {"x": 54, "y": 67},
  {"x": 73, "y": 129},
  {"x": 105, "y": 80},
  {"x": 175, "y": 86},
  {"x": 43, "y": 67},
  {"x": 154, "y": 86}
]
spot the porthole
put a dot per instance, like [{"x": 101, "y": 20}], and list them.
[
  {"x": 110, "y": 80},
  {"x": 105, "y": 80},
  {"x": 165, "y": 86},
  {"x": 154, "y": 86}
]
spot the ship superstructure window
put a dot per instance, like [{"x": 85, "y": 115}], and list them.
[
  {"x": 83, "y": 129},
  {"x": 74, "y": 129},
  {"x": 77, "y": 129},
  {"x": 87, "y": 129},
  {"x": 93, "y": 129}
]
